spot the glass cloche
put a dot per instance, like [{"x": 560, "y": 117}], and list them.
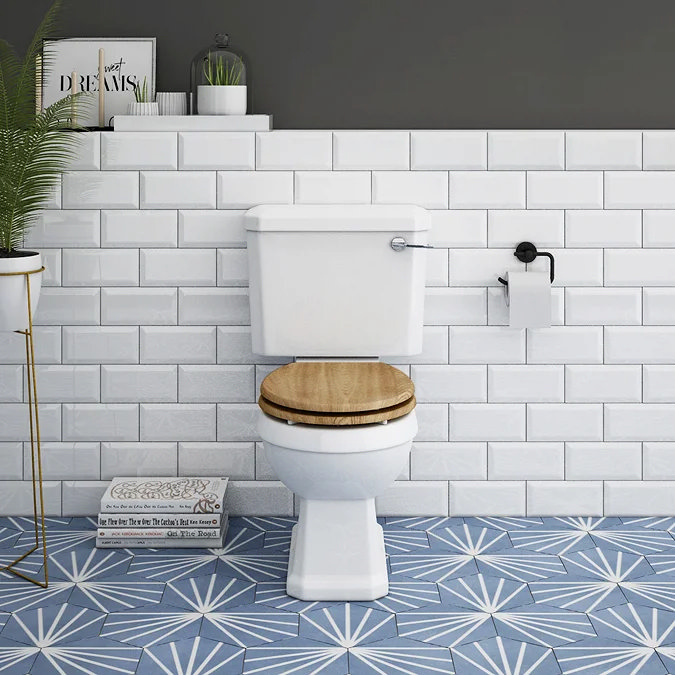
[{"x": 218, "y": 80}]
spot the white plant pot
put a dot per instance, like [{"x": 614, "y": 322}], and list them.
[
  {"x": 13, "y": 305},
  {"x": 143, "y": 108},
  {"x": 221, "y": 99}
]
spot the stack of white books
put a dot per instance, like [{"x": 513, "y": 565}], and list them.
[{"x": 163, "y": 513}]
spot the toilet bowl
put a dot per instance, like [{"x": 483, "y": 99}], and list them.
[{"x": 337, "y": 434}]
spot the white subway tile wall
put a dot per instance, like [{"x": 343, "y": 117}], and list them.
[{"x": 144, "y": 346}]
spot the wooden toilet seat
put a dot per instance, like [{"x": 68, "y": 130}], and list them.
[{"x": 337, "y": 393}]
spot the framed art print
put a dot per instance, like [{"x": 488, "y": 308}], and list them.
[{"x": 127, "y": 61}]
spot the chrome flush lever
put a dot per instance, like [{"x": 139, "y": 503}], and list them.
[{"x": 399, "y": 243}]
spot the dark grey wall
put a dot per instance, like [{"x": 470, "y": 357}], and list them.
[{"x": 411, "y": 63}]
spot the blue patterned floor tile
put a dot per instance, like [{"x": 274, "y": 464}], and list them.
[
  {"x": 209, "y": 593},
  {"x": 254, "y": 565},
  {"x": 16, "y": 594},
  {"x": 468, "y": 540},
  {"x": 402, "y": 540},
  {"x": 296, "y": 656},
  {"x": 580, "y": 523},
  {"x": 8, "y": 539},
  {"x": 651, "y": 522},
  {"x": 250, "y": 625},
  {"x": 636, "y": 540},
  {"x": 273, "y": 594},
  {"x": 484, "y": 594},
  {"x": 652, "y": 591},
  {"x": 27, "y": 523},
  {"x": 399, "y": 655},
  {"x": 607, "y": 564},
  {"x": 116, "y": 594},
  {"x": 501, "y": 656},
  {"x": 662, "y": 563},
  {"x": 173, "y": 564},
  {"x": 520, "y": 565},
  {"x": 148, "y": 626},
  {"x": 16, "y": 658},
  {"x": 244, "y": 538},
  {"x": 266, "y": 523},
  {"x": 543, "y": 625},
  {"x": 53, "y": 625},
  {"x": 445, "y": 626},
  {"x": 549, "y": 541},
  {"x": 427, "y": 523},
  {"x": 504, "y": 523},
  {"x": 193, "y": 656},
  {"x": 31, "y": 565},
  {"x": 86, "y": 564},
  {"x": 83, "y": 523},
  {"x": 602, "y": 656},
  {"x": 646, "y": 626},
  {"x": 347, "y": 625},
  {"x": 406, "y": 595},
  {"x": 59, "y": 539},
  {"x": 581, "y": 594},
  {"x": 278, "y": 541},
  {"x": 434, "y": 566},
  {"x": 95, "y": 656}
]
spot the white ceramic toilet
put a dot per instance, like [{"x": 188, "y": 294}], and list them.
[{"x": 328, "y": 288}]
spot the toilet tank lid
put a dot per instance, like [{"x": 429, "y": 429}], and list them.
[{"x": 337, "y": 218}]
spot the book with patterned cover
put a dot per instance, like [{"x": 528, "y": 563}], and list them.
[{"x": 164, "y": 495}]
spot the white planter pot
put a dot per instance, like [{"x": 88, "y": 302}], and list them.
[
  {"x": 13, "y": 306},
  {"x": 143, "y": 108},
  {"x": 221, "y": 99}
]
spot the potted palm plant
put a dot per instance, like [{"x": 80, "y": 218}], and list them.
[{"x": 36, "y": 146}]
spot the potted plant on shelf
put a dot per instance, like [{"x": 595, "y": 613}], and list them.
[
  {"x": 223, "y": 88},
  {"x": 142, "y": 105},
  {"x": 36, "y": 147}
]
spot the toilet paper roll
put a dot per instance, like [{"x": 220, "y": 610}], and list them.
[{"x": 528, "y": 296}]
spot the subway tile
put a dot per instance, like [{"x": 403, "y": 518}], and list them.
[
  {"x": 88, "y": 153},
  {"x": 603, "y": 461},
  {"x": 235, "y": 460},
  {"x": 658, "y": 461},
  {"x": 177, "y": 422},
  {"x": 100, "y": 190},
  {"x": 487, "y": 422},
  {"x": 47, "y": 346},
  {"x": 526, "y": 150},
  {"x": 448, "y": 461},
  {"x": 132, "y": 384},
  {"x": 487, "y": 190},
  {"x": 67, "y": 228},
  {"x": 432, "y": 420},
  {"x": 487, "y": 498},
  {"x": 520, "y": 384},
  {"x": 639, "y": 422},
  {"x": 459, "y": 229},
  {"x": 100, "y": 267},
  {"x": 94, "y": 344},
  {"x": 602, "y": 384},
  {"x": 263, "y": 469},
  {"x": 658, "y": 306},
  {"x": 573, "y": 267},
  {"x": 639, "y": 344},
  {"x": 498, "y": 310},
  {"x": 11, "y": 384},
  {"x": 603, "y": 229},
  {"x": 100, "y": 422},
  {"x": 139, "y": 150},
  {"x": 178, "y": 344},
  {"x": 11, "y": 456},
  {"x": 564, "y": 190},
  {"x": 413, "y": 498},
  {"x": 82, "y": 497},
  {"x": 66, "y": 461},
  {"x": 659, "y": 384},
  {"x": 54, "y": 200},
  {"x": 446, "y": 384},
  {"x": 234, "y": 346},
  {"x": 659, "y": 229},
  {"x": 238, "y": 422},
  {"x": 203, "y": 229},
  {"x": 603, "y": 306},
  {"x": 68, "y": 384},
  {"x": 506, "y": 229},
  {"x": 258, "y": 498},
  {"x": 486, "y": 344},
  {"x": 134, "y": 229},
  {"x": 564, "y": 498},
  {"x": 370, "y": 150},
  {"x": 564, "y": 422},
  {"x": 178, "y": 190},
  {"x": 216, "y": 384},
  {"x": 455, "y": 306},
  {"x": 434, "y": 348},
  {"x": 638, "y": 498},
  {"x": 436, "y": 267},
  {"x": 658, "y": 149},
  {"x": 639, "y": 190},
  {"x": 14, "y": 422},
  {"x": 640, "y": 267},
  {"x": 221, "y": 306},
  {"x": 481, "y": 267},
  {"x": 428, "y": 189},
  {"x": 178, "y": 267},
  {"x": 216, "y": 150},
  {"x": 51, "y": 261},
  {"x": 295, "y": 150},
  {"x": 138, "y": 459},
  {"x": 439, "y": 150},
  {"x": 565, "y": 344},
  {"x": 603, "y": 150},
  {"x": 526, "y": 461},
  {"x": 332, "y": 187},
  {"x": 244, "y": 189},
  {"x": 16, "y": 498},
  {"x": 232, "y": 267},
  {"x": 68, "y": 306},
  {"x": 135, "y": 306}
]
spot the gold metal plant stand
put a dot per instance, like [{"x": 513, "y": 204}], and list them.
[{"x": 35, "y": 457}]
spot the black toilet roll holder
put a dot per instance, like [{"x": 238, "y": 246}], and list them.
[{"x": 526, "y": 252}]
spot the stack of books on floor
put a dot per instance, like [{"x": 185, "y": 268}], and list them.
[{"x": 163, "y": 513}]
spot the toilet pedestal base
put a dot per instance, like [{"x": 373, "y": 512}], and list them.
[{"x": 337, "y": 552}]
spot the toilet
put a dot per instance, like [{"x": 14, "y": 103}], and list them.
[{"x": 330, "y": 289}]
